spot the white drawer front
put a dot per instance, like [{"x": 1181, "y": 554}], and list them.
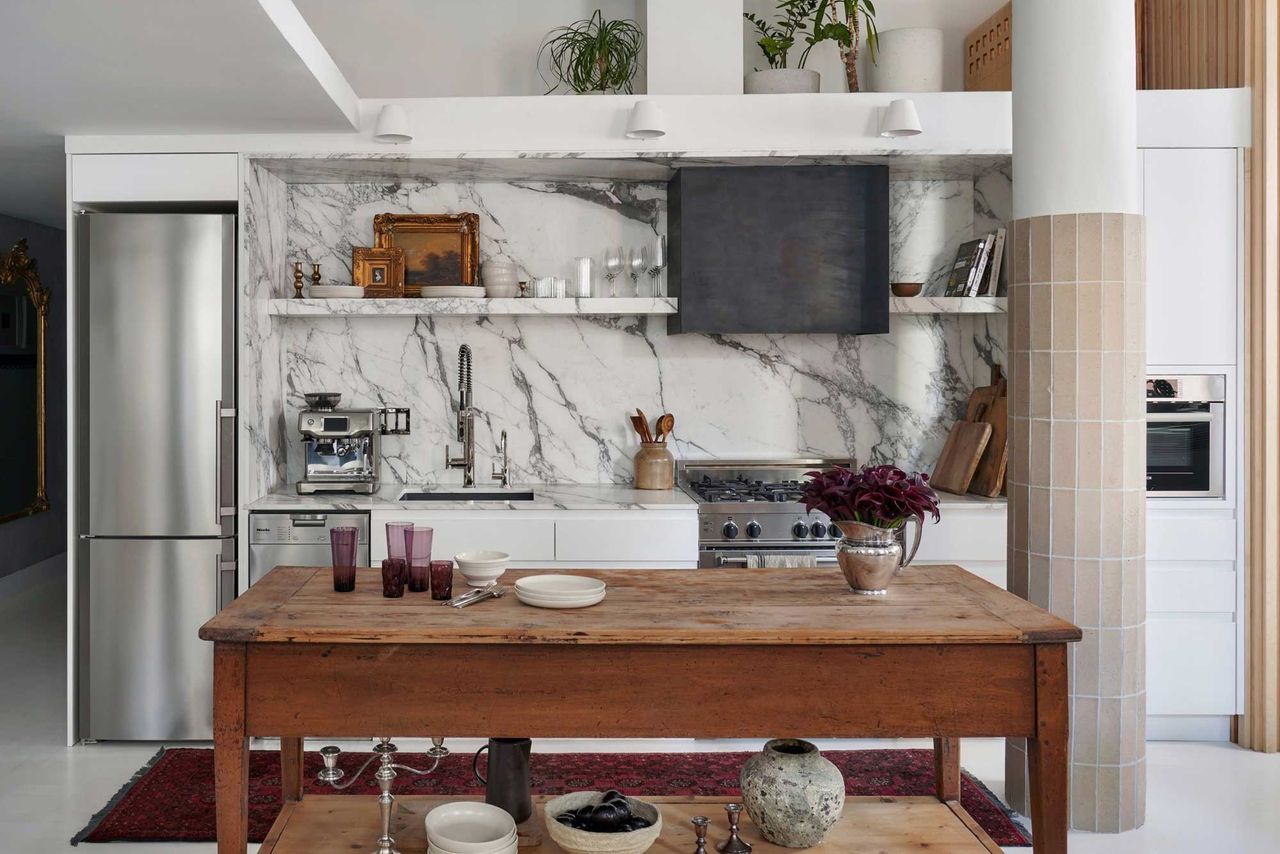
[
  {"x": 526, "y": 540},
  {"x": 1190, "y": 536},
  {"x": 155, "y": 178},
  {"x": 628, "y": 538},
  {"x": 964, "y": 536},
  {"x": 1196, "y": 587},
  {"x": 1191, "y": 664}
]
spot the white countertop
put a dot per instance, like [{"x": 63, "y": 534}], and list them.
[{"x": 558, "y": 496}]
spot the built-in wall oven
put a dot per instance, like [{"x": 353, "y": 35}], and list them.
[{"x": 1186, "y": 425}]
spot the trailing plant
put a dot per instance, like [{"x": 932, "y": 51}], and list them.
[
  {"x": 884, "y": 496},
  {"x": 778, "y": 37},
  {"x": 593, "y": 55}
]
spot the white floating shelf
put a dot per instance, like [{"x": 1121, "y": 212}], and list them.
[
  {"x": 948, "y": 305},
  {"x": 463, "y": 306}
]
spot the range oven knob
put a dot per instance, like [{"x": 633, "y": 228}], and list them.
[
  {"x": 753, "y": 529},
  {"x": 730, "y": 530},
  {"x": 799, "y": 530},
  {"x": 833, "y": 532},
  {"x": 818, "y": 530}
]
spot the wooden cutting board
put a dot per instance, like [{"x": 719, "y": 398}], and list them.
[
  {"x": 988, "y": 480},
  {"x": 960, "y": 456},
  {"x": 984, "y": 396}
]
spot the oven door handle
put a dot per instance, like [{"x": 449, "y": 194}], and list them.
[
  {"x": 1166, "y": 417},
  {"x": 740, "y": 561}
]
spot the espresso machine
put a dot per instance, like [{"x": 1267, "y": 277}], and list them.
[{"x": 341, "y": 446}]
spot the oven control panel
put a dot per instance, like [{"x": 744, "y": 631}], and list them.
[{"x": 750, "y": 526}]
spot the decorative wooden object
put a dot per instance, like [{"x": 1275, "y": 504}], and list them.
[
  {"x": 988, "y": 478},
  {"x": 315, "y": 275},
  {"x": 424, "y": 237},
  {"x": 379, "y": 271},
  {"x": 988, "y": 54},
  {"x": 297, "y": 280},
  {"x": 1191, "y": 45},
  {"x": 961, "y": 455},
  {"x": 945, "y": 655}
]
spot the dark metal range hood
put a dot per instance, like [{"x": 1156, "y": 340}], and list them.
[{"x": 775, "y": 249}]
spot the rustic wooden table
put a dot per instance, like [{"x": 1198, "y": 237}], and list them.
[{"x": 699, "y": 653}]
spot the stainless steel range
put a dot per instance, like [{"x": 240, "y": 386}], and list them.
[{"x": 750, "y": 513}]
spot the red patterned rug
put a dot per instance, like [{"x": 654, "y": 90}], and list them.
[{"x": 171, "y": 799}]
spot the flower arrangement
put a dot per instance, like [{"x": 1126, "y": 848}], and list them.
[{"x": 884, "y": 496}]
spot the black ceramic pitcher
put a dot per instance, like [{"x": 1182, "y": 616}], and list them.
[{"x": 507, "y": 783}]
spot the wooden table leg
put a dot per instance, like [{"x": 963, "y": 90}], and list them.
[
  {"x": 1047, "y": 753},
  {"x": 230, "y": 748},
  {"x": 946, "y": 768},
  {"x": 291, "y": 768}
]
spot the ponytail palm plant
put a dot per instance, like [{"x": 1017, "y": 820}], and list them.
[{"x": 593, "y": 55}]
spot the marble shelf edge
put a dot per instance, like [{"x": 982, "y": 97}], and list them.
[{"x": 575, "y": 307}]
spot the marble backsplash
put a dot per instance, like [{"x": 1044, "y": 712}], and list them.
[{"x": 562, "y": 386}]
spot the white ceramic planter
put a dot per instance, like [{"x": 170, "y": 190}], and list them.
[
  {"x": 909, "y": 60},
  {"x": 781, "y": 81}
]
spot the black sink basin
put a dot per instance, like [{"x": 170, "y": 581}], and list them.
[{"x": 467, "y": 495}]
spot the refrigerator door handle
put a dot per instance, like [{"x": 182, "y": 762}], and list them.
[
  {"x": 226, "y": 588},
  {"x": 219, "y": 415}
]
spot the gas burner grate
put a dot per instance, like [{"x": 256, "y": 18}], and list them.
[{"x": 716, "y": 491}]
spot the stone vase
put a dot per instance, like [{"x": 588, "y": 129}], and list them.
[
  {"x": 792, "y": 793},
  {"x": 909, "y": 59},
  {"x": 781, "y": 81}
]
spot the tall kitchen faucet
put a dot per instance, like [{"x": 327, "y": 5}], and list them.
[{"x": 466, "y": 422}]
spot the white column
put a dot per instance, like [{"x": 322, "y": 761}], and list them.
[{"x": 693, "y": 48}]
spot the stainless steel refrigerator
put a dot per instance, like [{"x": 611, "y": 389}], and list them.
[{"x": 156, "y": 343}]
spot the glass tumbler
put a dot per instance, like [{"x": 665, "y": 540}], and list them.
[
  {"x": 395, "y": 538},
  {"x": 342, "y": 546},
  {"x": 441, "y": 579},
  {"x": 417, "y": 546},
  {"x": 393, "y": 573}
]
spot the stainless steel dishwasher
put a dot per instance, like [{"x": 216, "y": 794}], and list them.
[{"x": 299, "y": 539}]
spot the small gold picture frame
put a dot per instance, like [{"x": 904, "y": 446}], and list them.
[
  {"x": 439, "y": 249},
  {"x": 379, "y": 271}
]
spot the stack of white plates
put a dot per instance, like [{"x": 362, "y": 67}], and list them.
[
  {"x": 470, "y": 827},
  {"x": 559, "y": 591},
  {"x": 334, "y": 292},
  {"x": 436, "y": 291}
]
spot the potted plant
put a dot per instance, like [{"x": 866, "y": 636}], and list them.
[
  {"x": 776, "y": 39},
  {"x": 842, "y": 21},
  {"x": 871, "y": 507},
  {"x": 593, "y": 56}
]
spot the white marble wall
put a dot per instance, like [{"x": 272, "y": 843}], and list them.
[{"x": 562, "y": 386}]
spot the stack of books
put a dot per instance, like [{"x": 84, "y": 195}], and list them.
[{"x": 976, "y": 272}]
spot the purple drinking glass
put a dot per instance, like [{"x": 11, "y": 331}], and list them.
[
  {"x": 393, "y": 577},
  {"x": 395, "y": 538},
  {"x": 441, "y": 579},
  {"x": 417, "y": 547},
  {"x": 342, "y": 546}
]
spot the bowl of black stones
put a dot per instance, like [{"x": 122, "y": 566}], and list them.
[{"x": 602, "y": 823}]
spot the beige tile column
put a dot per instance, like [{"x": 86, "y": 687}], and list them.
[{"x": 1077, "y": 500}]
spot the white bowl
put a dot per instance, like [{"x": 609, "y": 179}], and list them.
[
  {"x": 470, "y": 827},
  {"x": 334, "y": 292},
  {"x": 586, "y": 842},
  {"x": 481, "y": 567},
  {"x": 561, "y": 586},
  {"x": 512, "y": 848},
  {"x": 542, "y": 602}
]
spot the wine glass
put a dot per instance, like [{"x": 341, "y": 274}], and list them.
[
  {"x": 657, "y": 262},
  {"x": 613, "y": 263},
  {"x": 638, "y": 262}
]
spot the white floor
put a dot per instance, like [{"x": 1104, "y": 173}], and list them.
[{"x": 1202, "y": 797}]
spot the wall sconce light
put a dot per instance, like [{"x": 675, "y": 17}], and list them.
[
  {"x": 646, "y": 121},
  {"x": 900, "y": 119},
  {"x": 393, "y": 125}
]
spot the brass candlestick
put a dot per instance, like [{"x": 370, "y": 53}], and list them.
[
  {"x": 297, "y": 280},
  {"x": 315, "y": 275}
]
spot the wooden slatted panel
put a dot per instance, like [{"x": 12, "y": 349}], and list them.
[{"x": 1190, "y": 44}]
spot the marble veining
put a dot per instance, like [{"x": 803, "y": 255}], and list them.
[{"x": 563, "y": 386}]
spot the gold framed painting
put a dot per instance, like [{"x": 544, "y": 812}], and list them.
[
  {"x": 379, "y": 271},
  {"x": 439, "y": 249}
]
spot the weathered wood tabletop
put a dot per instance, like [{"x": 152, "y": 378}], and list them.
[{"x": 720, "y": 653}]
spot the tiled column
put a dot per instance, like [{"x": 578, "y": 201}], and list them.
[{"x": 1077, "y": 501}]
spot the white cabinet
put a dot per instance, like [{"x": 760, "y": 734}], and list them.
[
  {"x": 528, "y": 541},
  {"x": 155, "y": 178},
  {"x": 971, "y": 534},
  {"x": 628, "y": 538},
  {"x": 1191, "y": 200},
  {"x": 1191, "y": 664}
]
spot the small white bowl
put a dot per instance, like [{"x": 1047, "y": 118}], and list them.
[
  {"x": 470, "y": 827},
  {"x": 482, "y": 567},
  {"x": 586, "y": 842}
]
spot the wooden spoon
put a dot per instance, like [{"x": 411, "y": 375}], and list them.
[
  {"x": 638, "y": 426},
  {"x": 645, "y": 436},
  {"x": 666, "y": 423}
]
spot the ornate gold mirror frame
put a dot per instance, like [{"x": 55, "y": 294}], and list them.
[{"x": 19, "y": 268}]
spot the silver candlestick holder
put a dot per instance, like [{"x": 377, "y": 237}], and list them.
[{"x": 385, "y": 753}]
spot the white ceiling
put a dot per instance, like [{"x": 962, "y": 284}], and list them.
[
  {"x": 139, "y": 66},
  {"x": 442, "y": 48}
]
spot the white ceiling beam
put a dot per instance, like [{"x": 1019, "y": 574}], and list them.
[{"x": 289, "y": 21}]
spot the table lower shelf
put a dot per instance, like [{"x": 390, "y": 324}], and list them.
[{"x": 870, "y": 825}]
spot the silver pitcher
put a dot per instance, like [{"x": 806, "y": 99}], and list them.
[{"x": 871, "y": 557}]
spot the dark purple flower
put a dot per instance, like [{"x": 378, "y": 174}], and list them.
[{"x": 884, "y": 496}]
